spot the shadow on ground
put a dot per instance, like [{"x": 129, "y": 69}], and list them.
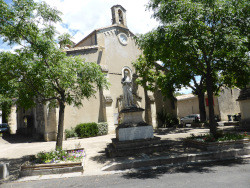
[
  {"x": 172, "y": 130},
  {"x": 16, "y": 138},
  {"x": 175, "y": 147},
  {"x": 156, "y": 172},
  {"x": 14, "y": 165}
]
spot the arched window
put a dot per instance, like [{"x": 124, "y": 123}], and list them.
[{"x": 120, "y": 17}]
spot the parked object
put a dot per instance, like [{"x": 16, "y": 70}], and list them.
[
  {"x": 4, "y": 128},
  {"x": 4, "y": 170},
  {"x": 229, "y": 117},
  {"x": 190, "y": 119}
]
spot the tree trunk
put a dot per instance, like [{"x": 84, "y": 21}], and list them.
[
  {"x": 202, "y": 106},
  {"x": 209, "y": 83},
  {"x": 59, "y": 140},
  {"x": 148, "y": 114}
]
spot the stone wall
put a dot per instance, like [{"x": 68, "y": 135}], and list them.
[{"x": 228, "y": 104}]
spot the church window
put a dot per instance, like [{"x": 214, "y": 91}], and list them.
[{"x": 120, "y": 17}]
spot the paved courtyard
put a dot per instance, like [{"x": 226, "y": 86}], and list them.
[{"x": 16, "y": 149}]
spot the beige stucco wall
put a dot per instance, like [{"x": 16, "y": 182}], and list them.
[
  {"x": 89, "y": 112},
  {"x": 228, "y": 104},
  {"x": 245, "y": 109},
  {"x": 188, "y": 106},
  {"x": 89, "y": 41},
  {"x": 191, "y": 106},
  {"x": 224, "y": 104}
]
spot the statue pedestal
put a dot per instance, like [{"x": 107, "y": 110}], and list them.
[
  {"x": 134, "y": 133},
  {"x": 134, "y": 136},
  {"x": 132, "y": 126}
]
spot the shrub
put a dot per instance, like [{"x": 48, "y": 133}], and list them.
[
  {"x": 220, "y": 136},
  {"x": 71, "y": 133},
  {"x": 102, "y": 128},
  {"x": 86, "y": 129},
  {"x": 167, "y": 119}
]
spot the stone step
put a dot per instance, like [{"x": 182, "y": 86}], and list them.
[
  {"x": 136, "y": 143},
  {"x": 112, "y": 151},
  {"x": 180, "y": 159}
]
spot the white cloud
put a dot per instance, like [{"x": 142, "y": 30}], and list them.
[{"x": 88, "y": 15}]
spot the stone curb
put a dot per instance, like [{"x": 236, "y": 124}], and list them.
[{"x": 181, "y": 159}]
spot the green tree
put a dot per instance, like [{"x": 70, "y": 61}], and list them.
[
  {"x": 40, "y": 71},
  {"x": 152, "y": 76},
  {"x": 207, "y": 38}
]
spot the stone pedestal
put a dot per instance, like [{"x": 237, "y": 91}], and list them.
[
  {"x": 134, "y": 136},
  {"x": 132, "y": 126},
  {"x": 134, "y": 133}
]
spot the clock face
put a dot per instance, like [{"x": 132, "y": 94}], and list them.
[{"x": 123, "y": 38}]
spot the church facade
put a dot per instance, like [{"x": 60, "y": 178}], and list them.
[{"x": 114, "y": 49}]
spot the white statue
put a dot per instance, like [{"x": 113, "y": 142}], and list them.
[{"x": 127, "y": 90}]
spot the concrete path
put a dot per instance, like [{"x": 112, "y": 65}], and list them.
[{"x": 13, "y": 149}]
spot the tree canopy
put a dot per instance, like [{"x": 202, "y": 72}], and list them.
[
  {"x": 207, "y": 38},
  {"x": 40, "y": 71}
]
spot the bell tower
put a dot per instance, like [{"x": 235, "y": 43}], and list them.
[{"x": 118, "y": 15}]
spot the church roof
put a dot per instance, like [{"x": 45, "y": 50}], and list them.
[
  {"x": 244, "y": 94},
  {"x": 99, "y": 30},
  {"x": 119, "y": 7},
  {"x": 83, "y": 48},
  {"x": 185, "y": 97}
]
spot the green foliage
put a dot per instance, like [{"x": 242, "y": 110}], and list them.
[
  {"x": 5, "y": 106},
  {"x": 65, "y": 40},
  {"x": 176, "y": 94},
  {"x": 220, "y": 136},
  {"x": 86, "y": 130},
  {"x": 58, "y": 155},
  {"x": 166, "y": 119},
  {"x": 209, "y": 39},
  {"x": 102, "y": 128},
  {"x": 70, "y": 133}
]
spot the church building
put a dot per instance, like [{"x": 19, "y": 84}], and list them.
[{"x": 114, "y": 49}]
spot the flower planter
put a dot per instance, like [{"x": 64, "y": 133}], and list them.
[
  {"x": 214, "y": 146},
  {"x": 52, "y": 168}
]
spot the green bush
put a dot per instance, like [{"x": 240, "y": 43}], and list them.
[
  {"x": 102, "y": 128},
  {"x": 70, "y": 133},
  {"x": 220, "y": 136},
  {"x": 166, "y": 119},
  {"x": 86, "y": 129}
]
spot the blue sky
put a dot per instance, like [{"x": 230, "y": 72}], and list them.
[{"x": 8, "y": 1}]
